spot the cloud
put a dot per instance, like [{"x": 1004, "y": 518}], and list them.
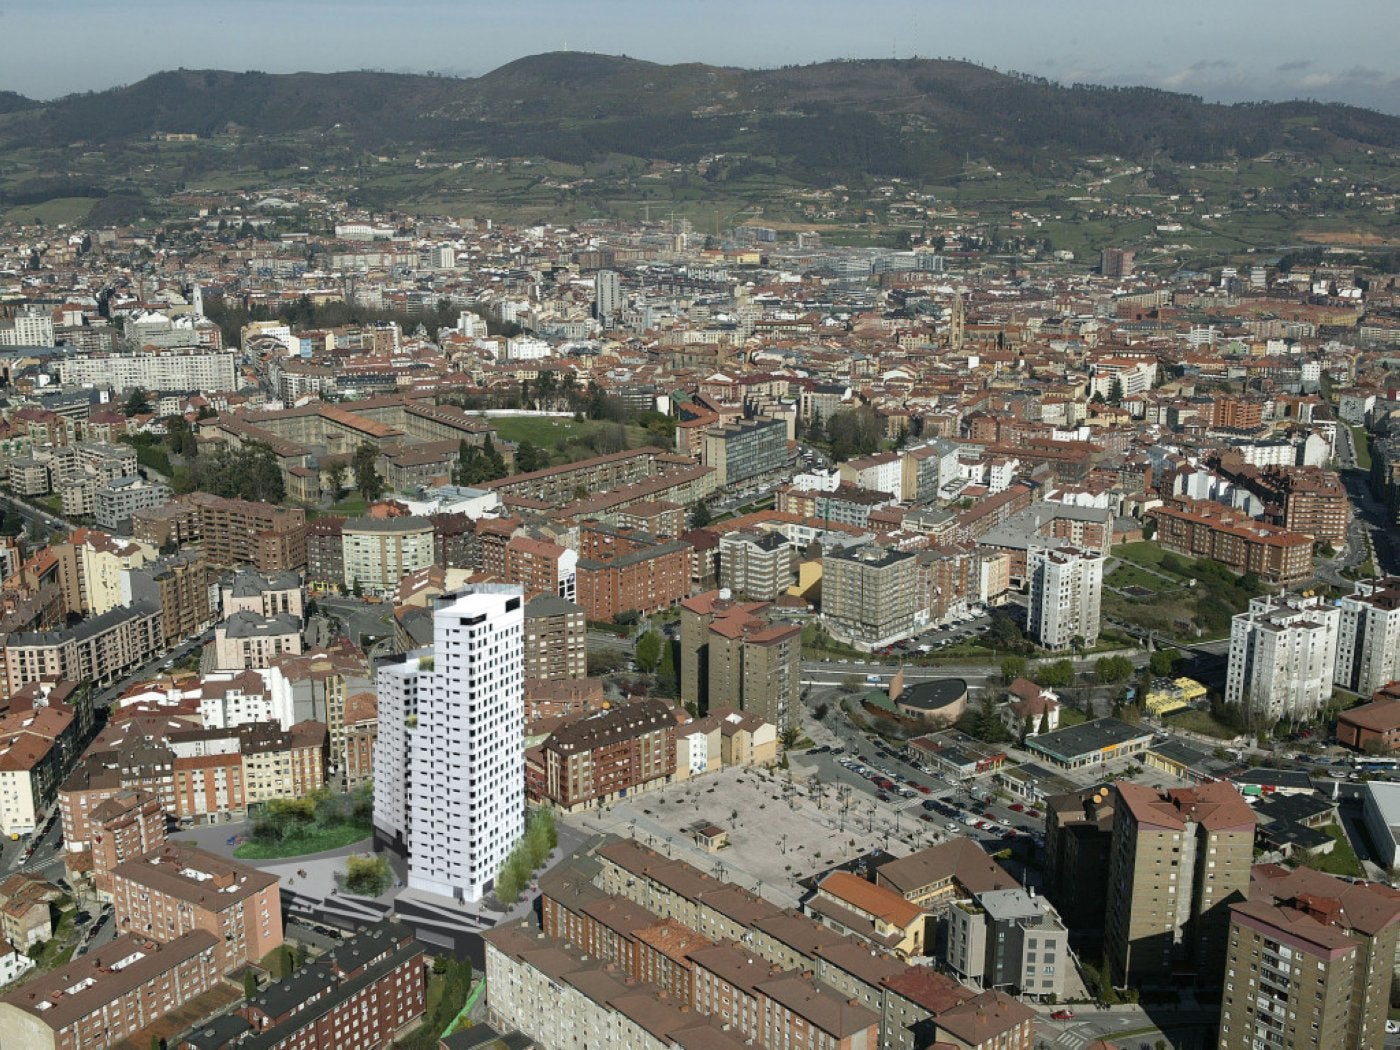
[{"x": 1294, "y": 66}]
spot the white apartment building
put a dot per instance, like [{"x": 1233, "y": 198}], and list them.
[
  {"x": 449, "y": 762},
  {"x": 1368, "y": 636},
  {"x": 159, "y": 371},
  {"x": 1066, "y": 591},
  {"x": 1282, "y": 654}
]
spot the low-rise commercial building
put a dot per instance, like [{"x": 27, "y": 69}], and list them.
[{"x": 1092, "y": 743}]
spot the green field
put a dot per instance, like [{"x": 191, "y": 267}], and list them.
[
  {"x": 1201, "y": 722},
  {"x": 567, "y": 439},
  {"x": 1361, "y": 441},
  {"x": 1143, "y": 552},
  {"x": 303, "y": 843},
  {"x": 57, "y": 211},
  {"x": 1342, "y": 860}
]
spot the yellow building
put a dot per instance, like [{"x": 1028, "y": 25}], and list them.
[
  {"x": 1167, "y": 696},
  {"x": 876, "y": 914}
]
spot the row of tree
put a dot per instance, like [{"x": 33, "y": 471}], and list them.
[{"x": 529, "y": 855}]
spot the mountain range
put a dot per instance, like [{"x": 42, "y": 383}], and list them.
[{"x": 828, "y": 121}]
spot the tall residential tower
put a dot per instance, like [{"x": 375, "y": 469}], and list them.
[{"x": 449, "y": 763}]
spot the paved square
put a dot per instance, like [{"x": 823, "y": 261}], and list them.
[{"x": 778, "y": 832}]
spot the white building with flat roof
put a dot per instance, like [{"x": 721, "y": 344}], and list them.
[
  {"x": 1368, "y": 638},
  {"x": 449, "y": 761},
  {"x": 1066, "y": 594},
  {"x": 1283, "y": 652},
  {"x": 1380, "y": 808}
]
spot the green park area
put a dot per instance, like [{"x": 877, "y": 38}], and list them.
[
  {"x": 1179, "y": 597},
  {"x": 324, "y": 820},
  {"x": 1342, "y": 860}
]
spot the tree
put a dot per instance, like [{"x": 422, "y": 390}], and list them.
[
  {"x": 335, "y": 479},
  {"x": 367, "y": 478},
  {"x": 1012, "y": 668},
  {"x": 529, "y": 458},
  {"x": 1112, "y": 669},
  {"x": 854, "y": 432},
  {"x": 699, "y": 515},
  {"x": 137, "y": 404},
  {"x": 250, "y": 984},
  {"x": 648, "y": 651},
  {"x": 1057, "y": 675},
  {"x": 1115, "y": 391},
  {"x": 789, "y": 737},
  {"x": 1162, "y": 661}
]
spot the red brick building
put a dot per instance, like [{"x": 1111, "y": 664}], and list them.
[
  {"x": 1373, "y": 726},
  {"x": 534, "y": 564},
  {"x": 621, "y": 570},
  {"x": 360, "y": 996},
  {"x": 1204, "y": 529},
  {"x": 605, "y": 754},
  {"x": 180, "y": 889},
  {"x": 111, "y": 993},
  {"x": 128, "y": 825}
]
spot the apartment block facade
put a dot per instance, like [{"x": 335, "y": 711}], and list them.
[
  {"x": 179, "y": 890},
  {"x": 868, "y": 594},
  {"x": 1066, "y": 591},
  {"x": 556, "y": 639},
  {"x": 1178, "y": 860},
  {"x": 1368, "y": 636},
  {"x": 1203, "y": 529},
  {"x": 1283, "y": 656},
  {"x": 1308, "y": 962},
  {"x": 449, "y": 756}
]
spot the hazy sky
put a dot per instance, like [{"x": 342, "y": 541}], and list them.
[{"x": 1230, "y": 50}]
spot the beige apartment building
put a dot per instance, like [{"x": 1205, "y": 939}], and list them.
[
  {"x": 556, "y": 639},
  {"x": 868, "y": 594},
  {"x": 379, "y": 552},
  {"x": 1308, "y": 962},
  {"x": 1178, "y": 860}
]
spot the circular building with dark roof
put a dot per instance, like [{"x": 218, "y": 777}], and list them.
[{"x": 942, "y": 698}]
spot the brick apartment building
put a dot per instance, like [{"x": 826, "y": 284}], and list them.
[
  {"x": 179, "y": 889},
  {"x": 605, "y": 755},
  {"x": 539, "y": 566},
  {"x": 238, "y": 532},
  {"x": 361, "y": 995},
  {"x": 127, "y": 826},
  {"x": 621, "y": 570},
  {"x": 1205, "y": 529},
  {"x": 700, "y": 955},
  {"x": 110, "y": 993}
]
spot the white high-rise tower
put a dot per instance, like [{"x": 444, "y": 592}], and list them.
[
  {"x": 449, "y": 762},
  {"x": 1066, "y": 589}
]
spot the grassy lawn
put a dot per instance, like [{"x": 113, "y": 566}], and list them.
[
  {"x": 312, "y": 841},
  {"x": 1070, "y": 716},
  {"x": 1202, "y": 722},
  {"x": 1129, "y": 575},
  {"x": 59, "y": 948},
  {"x": 1143, "y": 552},
  {"x": 1342, "y": 860},
  {"x": 553, "y": 432},
  {"x": 1361, "y": 440}
]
